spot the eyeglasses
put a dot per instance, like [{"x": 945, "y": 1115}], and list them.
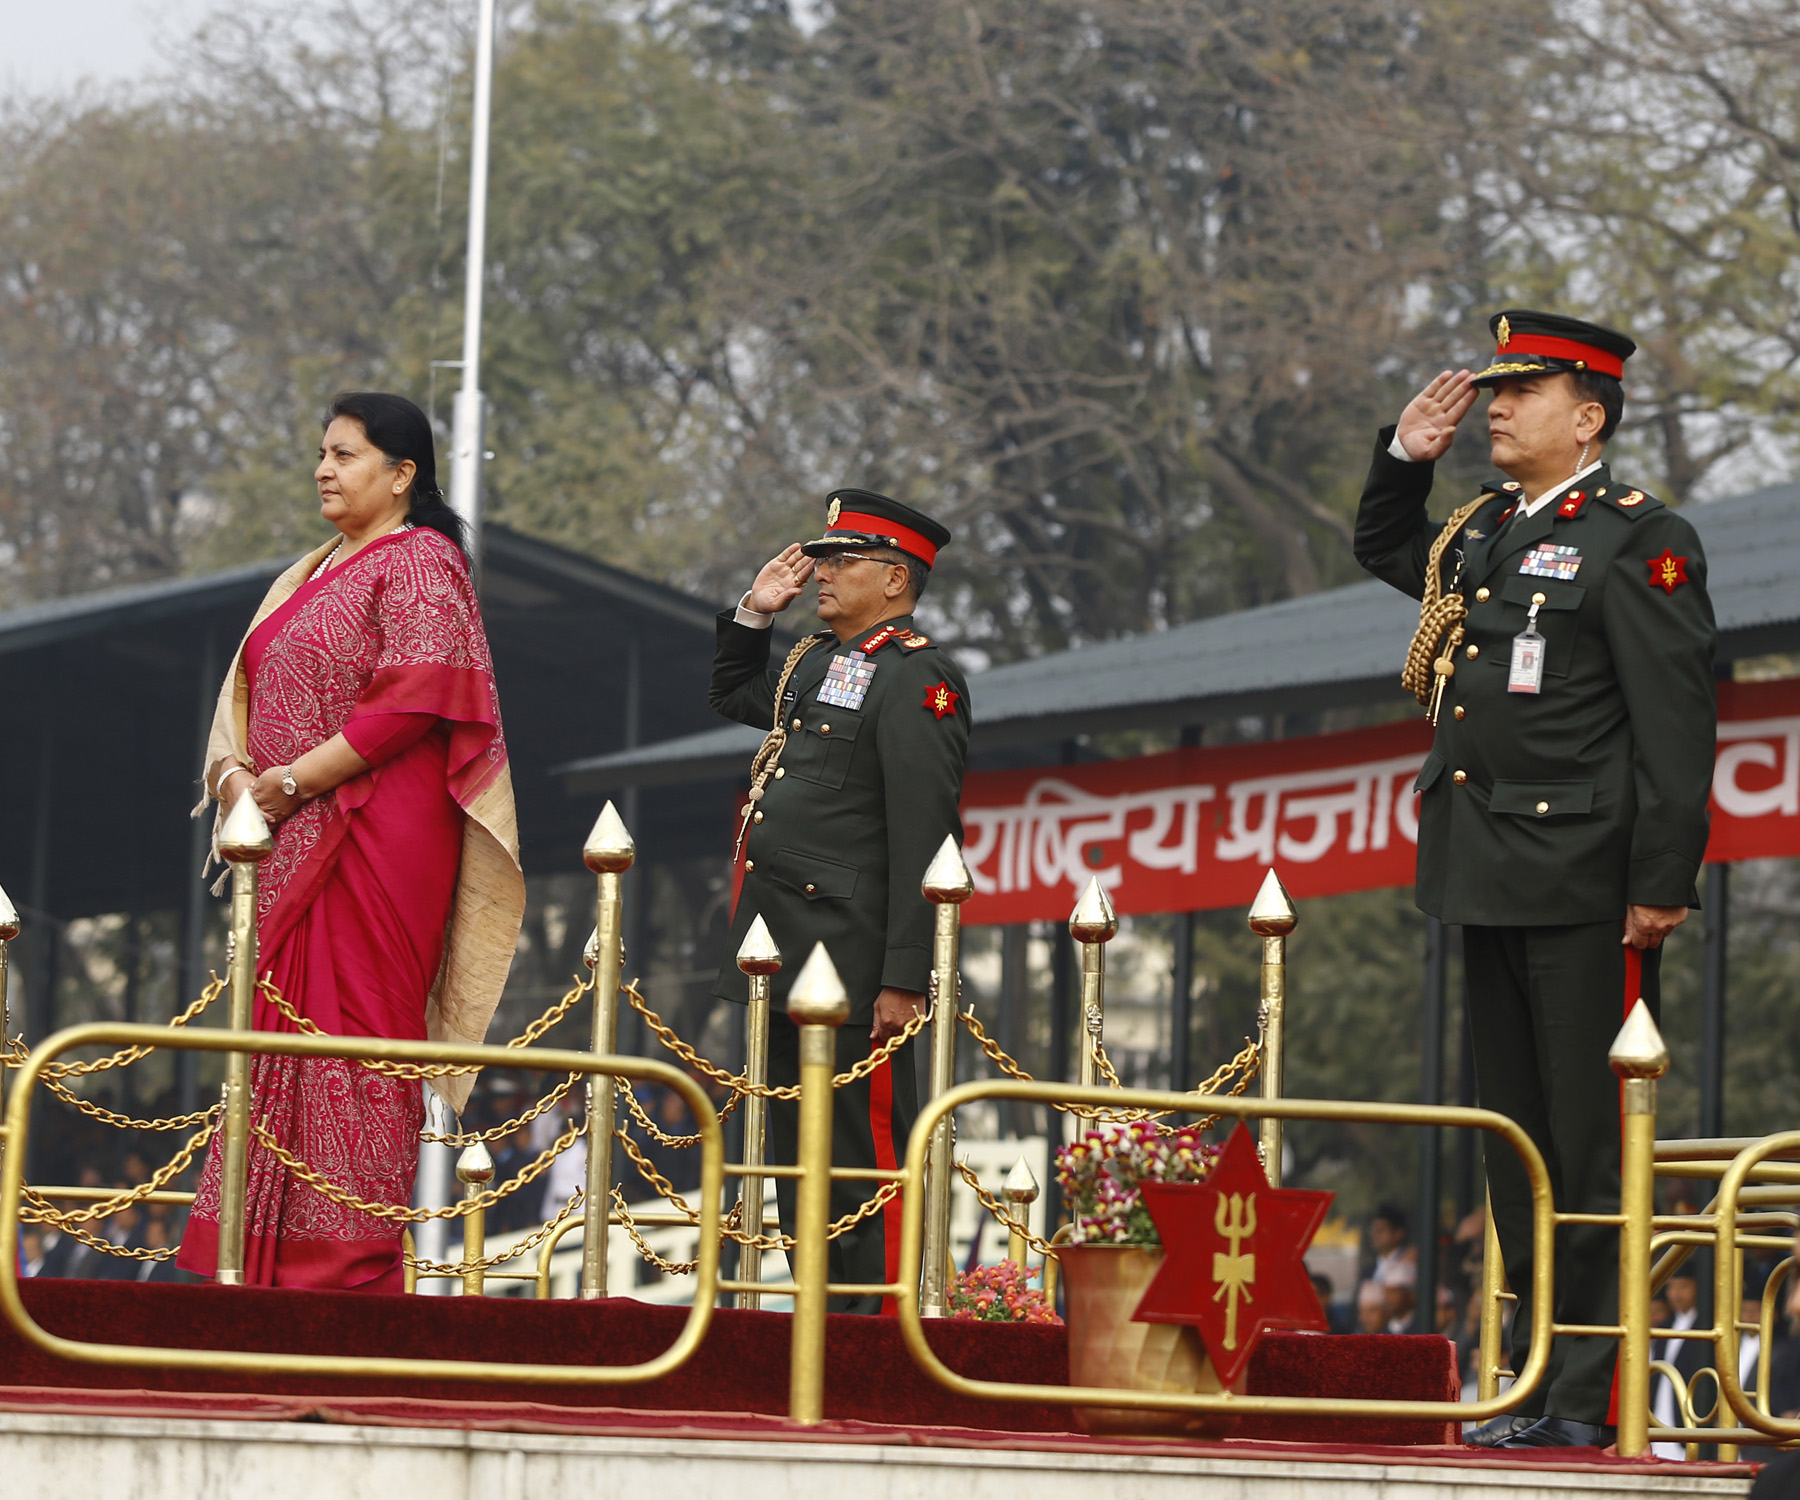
[{"x": 831, "y": 560}]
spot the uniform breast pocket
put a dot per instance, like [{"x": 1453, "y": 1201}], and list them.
[
  {"x": 1556, "y": 620},
  {"x": 821, "y": 751}
]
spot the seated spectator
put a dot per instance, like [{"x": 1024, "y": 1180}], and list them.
[
  {"x": 1446, "y": 1312},
  {"x": 1389, "y": 1240},
  {"x": 1371, "y": 1308},
  {"x": 516, "y": 1210},
  {"x": 1399, "y": 1280},
  {"x": 1321, "y": 1286}
]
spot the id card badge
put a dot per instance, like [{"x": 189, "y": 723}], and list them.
[{"x": 1527, "y": 674}]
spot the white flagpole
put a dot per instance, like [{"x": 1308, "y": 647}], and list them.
[
  {"x": 436, "y": 1175},
  {"x": 468, "y": 437}
]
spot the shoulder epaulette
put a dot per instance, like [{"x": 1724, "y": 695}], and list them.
[{"x": 1628, "y": 502}]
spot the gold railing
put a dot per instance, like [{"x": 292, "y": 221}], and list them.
[
  {"x": 378, "y": 1051},
  {"x": 1752, "y": 1209},
  {"x": 1544, "y": 1218}
]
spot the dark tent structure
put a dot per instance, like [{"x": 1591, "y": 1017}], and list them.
[{"x": 109, "y": 696}]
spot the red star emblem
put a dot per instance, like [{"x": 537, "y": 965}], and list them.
[
  {"x": 941, "y": 700},
  {"x": 1232, "y": 1249},
  {"x": 1667, "y": 572}
]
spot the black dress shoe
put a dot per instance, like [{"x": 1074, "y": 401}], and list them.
[
  {"x": 1492, "y": 1434},
  {"x": 1557, "y": 1432}
]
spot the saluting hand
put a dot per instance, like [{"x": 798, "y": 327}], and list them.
[
  {"x": 781, "y": 579},
  {"x": 1428, "y": 425}
]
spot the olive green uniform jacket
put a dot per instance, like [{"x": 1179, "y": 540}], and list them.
[
  {"x": 865, "y": 798},
  {"x": 1566, "y": 805}
]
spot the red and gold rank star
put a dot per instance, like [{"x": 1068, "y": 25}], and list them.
[
  {"x": 1667, "y": 572},
  {"x": 941, "y": 700},
  {"x": 1232, "y": 1256}
]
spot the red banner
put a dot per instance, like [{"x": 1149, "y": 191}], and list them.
[{"x": 1193, "y": 830}]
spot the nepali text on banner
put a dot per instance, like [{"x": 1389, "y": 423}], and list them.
[{"x": 1192, "y": 830}]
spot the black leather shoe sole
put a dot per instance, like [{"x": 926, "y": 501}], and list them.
[
  {"x": 1555, "y": 1432},
  {"x": 1492, "y": 1434}
]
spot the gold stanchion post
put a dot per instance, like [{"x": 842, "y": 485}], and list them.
[
  {"x": 818, "y": 1005},
  {"x": 1493, "y": 1283},
  {"x": 609, "y": 853},
  {"x": 946, "y": 885},
  {"x": 9, "y": 929},
  {"x": 474, "y": 1170},
  {"x": 1020, "y": 1191},
  {"x": 1093, "y": 924},
  {"x": 245, "y": 842},
  {"x": 1639, "y": 1057},
  {"x": 1272, "y": 918},
  {"x": 760, "y": 960}
]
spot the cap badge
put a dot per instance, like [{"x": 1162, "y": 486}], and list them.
[
  {"x": 831, "y": 512},
  {"x": 1503, "y": 331}
]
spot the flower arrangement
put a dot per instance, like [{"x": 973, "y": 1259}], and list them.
[
  {"x": 1000, "y": 1294},
  {"x": 1100, "y": 1174}
]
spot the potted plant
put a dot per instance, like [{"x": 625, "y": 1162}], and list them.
[
  {"x": 1000, "y": 1294},
  {"x": 1113, "y": 1252}
]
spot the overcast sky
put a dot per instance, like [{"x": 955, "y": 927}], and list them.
[{"x": 48, "y": 46}]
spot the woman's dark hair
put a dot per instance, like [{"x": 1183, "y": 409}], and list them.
[
  {"x": 1591, "y": 385},
  {"x": 401, "y": 431}
]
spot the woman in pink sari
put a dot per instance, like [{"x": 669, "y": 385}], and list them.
[{"x": 362, "y": 717}]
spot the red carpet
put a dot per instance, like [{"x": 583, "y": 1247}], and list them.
[{"x": 742, "y": 1366}]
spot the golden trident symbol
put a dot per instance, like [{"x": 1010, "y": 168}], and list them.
[
  {"x": 1669, "y": 575},
  {"x": 1234, "y": 1271}
]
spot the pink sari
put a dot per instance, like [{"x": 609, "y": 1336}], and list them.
[{"x": 354, "y": 904}]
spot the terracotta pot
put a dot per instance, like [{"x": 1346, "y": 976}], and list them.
[{"x": 1104, "y": 1284}]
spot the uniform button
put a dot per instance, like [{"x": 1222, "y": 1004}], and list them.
[
  {"x": 1473, "y": 652},
  {"x": 1543, "y": 807},
  {"x": 1538, "y": 599},
  {"x": 824, "y": 729},
  {"x": 758, "y": 817},
  {"x": 796, "y": 723},
  {"x": 1460, "y": 777},
  {"x": 1481, "y": 596},
  {"x": 780, "y": 771},
  {"x": 1460, "y": 710},
  {"x": 810, "y": 888},
  {"x": 749, "y": 864}
]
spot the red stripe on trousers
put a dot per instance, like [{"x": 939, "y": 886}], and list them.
[
  {"x": 1634, "y": 983},
  {"x": 881, "y": 1129}
]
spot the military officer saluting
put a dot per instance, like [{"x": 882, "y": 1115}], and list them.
[
  {"x": 1566, "y": 650},
  {"x": 851, "y": 795}
]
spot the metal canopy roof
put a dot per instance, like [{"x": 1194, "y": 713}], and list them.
[
  {"x": 107, "y": 695},
  {"x": 1325, "y": 650}
]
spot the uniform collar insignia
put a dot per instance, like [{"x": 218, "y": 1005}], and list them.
[{"x": 891, "y": 631}]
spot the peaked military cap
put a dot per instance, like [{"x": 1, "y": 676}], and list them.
[
  {"x": 1538, "y": 343},
  {"x": 862, "y": 518}
]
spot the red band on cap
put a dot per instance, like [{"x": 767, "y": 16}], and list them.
[
  {"x": 904, "y": 537},
  {"x": 1554, "y": 348}
]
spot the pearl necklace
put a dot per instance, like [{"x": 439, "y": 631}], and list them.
[{"x": 325, "y": 561}]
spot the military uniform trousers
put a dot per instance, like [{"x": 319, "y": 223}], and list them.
[
  {"x": 870, "y": 1122},
  {"x": 1544, "y": 1005}
]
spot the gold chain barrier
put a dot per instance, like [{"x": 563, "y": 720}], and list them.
[
  {"x": 1758, "y": 1181},
  {"x": 15, "y": 1197}
]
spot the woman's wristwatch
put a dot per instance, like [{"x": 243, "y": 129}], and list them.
[{"x": 289, "y": 786}]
